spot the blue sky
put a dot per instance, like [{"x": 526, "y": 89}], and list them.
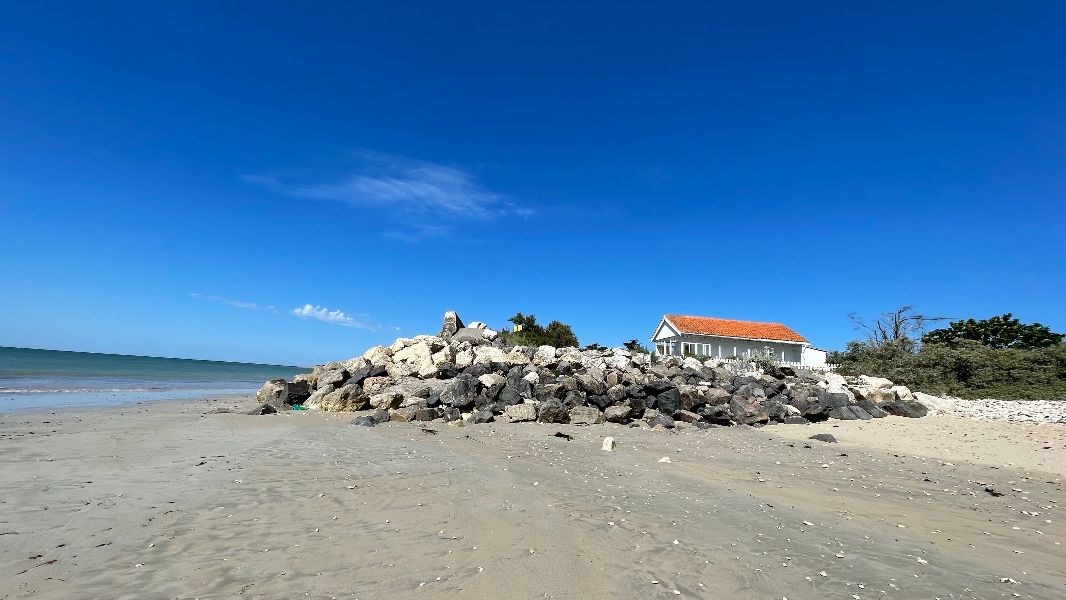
[{"x": 267, "y": 182}]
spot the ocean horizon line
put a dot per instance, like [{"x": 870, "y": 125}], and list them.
[{"x": 201, "y": 360}]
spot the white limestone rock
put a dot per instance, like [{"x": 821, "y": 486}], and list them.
[
  {"x": 521, "y": 412},
  {"x": 484, "y": 355}
]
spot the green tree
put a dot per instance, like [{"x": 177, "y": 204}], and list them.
[
  {"x": 999, "y": 332},
  {"x": 559, "y": 335},
  {"x": 635, "y": 346},
  {"x": 527, "y": 332}
]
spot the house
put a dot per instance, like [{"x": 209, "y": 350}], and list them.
[{"x": 727, "y": 338}]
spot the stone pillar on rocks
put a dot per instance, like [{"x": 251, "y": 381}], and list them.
[{"x": 452, "y": 323}]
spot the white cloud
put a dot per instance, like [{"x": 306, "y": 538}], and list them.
[
  {"x": 237, "y": 303},
  {"x": 406, "y": 185},
  {"x": 336, "y": 317}
]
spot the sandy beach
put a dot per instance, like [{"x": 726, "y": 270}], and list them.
[{"x": 177, "y": 500}]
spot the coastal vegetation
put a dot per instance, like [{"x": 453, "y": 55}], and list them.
[
  {"x": 998, "y": 357},
  {"x": 527, "y": 332}
]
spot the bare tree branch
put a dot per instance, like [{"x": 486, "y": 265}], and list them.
[{"x": 899, "y": 324}]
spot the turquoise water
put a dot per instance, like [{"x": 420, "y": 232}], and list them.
[{"x": 32, "y": 378}]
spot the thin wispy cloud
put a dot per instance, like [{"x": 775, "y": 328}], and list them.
[
  {"x": 334, "y": 317},
  {"x": 237, "y": 303},
  {"x": 428, "y": 196}
]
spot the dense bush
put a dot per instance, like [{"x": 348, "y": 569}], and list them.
[
  {"x": 527, "y": 332},
  {"x": 964, "y": 367},
  {"x": 635, "y": 346},
  {"x": 997, "y": 332}
]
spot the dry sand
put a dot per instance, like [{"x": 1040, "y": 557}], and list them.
[{"x": 170, "y": 500}]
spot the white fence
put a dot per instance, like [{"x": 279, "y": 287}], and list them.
[{"x": 749, "y": 365}]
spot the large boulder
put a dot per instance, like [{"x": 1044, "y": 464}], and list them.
[
  {"x": 281, "y": 394},
  {"x": 874, "y": 409},
  {"x": 484, "y": 355},
  {"x": 903, "y": 408},
  {"x": 585, "y": 415},
  {"x": 617, "y": 414},
  {"x": 360, "y": 368},
  {"x": 374, "y": 385},
  {"x": 491, "y": 384},
  {"x": 386, "y": 400},
  {"x": 416, "y": 359},
  {"x": 544, "y": 356},
  {"x": 414, "y": 389},
  {"x": 874, "y": 382},
  {"x": 593, "y": 382},
  {"x": 850, "y": 413},
  {"x": 934, "y": 404},
  {"x": 692, "y": 397},
  {"x": 347, "y": 398},
  {"x": 471, "y": 335},
  {"x": 521, "y": 412},
  {"x": 716, "y": 396},
  {"x": 903, "y": 393},
  {"x": 748, "y": 410},
  {"x": 520, "y": 355},
  {"x": 552, "y": 411},
  {"x": 378, "y": 356},
  {"x": 719, "y": 414},
  {"x": 668, "y": 401},
  {"x": 461, "y": 392}
]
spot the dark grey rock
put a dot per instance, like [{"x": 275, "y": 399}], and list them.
[
  {"x": 263, "y": 409},
  {"x": 461, "y": 392},
  {"x": 552, "y": 411},
  {"x": 375, "y": 418},
  {"x": 574, "y": 398},
  {"x": 428, "y": 414},
  {"x": 903, "y": 408},
  {"x": 719, "y": 414},
  {"x": 657, "y": 386},
  {"x": 617, "y": 414},
  {"x": 661, "y": 420},
  {"x": 601, "y": 402},
  {"x": 850, "y": 413},
  {"x": 481, "y": 416},
  {"x": 875, "y": 410},
  {"x": 824, "y": 437},
  {"x": 668, "y": 401}
]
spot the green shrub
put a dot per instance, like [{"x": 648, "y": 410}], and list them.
[
  {"x": 531, "y": 333},
  {"x": 635, "y": 346},
  {"x": 964, "y": 368}
]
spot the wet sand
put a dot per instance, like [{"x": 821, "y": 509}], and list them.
[{"x": 171, "y": 500}]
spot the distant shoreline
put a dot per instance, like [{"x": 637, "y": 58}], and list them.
[{"x": 112, "y": 354}]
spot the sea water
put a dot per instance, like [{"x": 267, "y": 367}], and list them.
[{"x": 32, "y": 378}]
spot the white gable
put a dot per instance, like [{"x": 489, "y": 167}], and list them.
[{"x": 664, "y": 331}]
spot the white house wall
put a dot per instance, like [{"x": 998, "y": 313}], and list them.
[
  {"x": 814, "y": 357},
  {"x": 721, "y": 347}
]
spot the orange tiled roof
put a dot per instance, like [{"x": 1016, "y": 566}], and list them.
[{"x": 737, "y": 329}]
